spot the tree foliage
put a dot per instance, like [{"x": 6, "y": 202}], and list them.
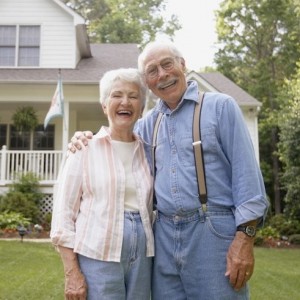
[
  {"x": 125, "y": 21},
  {"x": 289, "y": 146},
  {"x": 25, "y": 118},
  {"x": 259, "y": 47}
]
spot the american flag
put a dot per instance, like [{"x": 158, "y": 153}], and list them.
[{"x": 57, "y": 104}]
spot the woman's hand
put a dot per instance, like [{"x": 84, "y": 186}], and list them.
[{"x": 75, "y": 285}]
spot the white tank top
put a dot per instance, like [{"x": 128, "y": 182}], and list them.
[{"x": 125, "y": 152}]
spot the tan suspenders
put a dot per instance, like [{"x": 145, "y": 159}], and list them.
[{"x": 198, "y": 152}]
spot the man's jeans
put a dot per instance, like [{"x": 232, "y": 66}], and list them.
[
  {"x": 130, "y": 279},
  {"x": 190, "y": 256}
]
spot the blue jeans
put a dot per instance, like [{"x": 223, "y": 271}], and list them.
[
  {"x": 131, "y": 278},
  {"x": 190, "y": 256}
]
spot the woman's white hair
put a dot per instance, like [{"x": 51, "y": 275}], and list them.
[
  {"x": 156, "y": 45},
  {"x": 129, "y": 75}
]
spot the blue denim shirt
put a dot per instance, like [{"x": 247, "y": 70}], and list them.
[{"x": 233, "y": 176}]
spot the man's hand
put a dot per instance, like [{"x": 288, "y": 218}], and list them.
[
  {"x": 79, "y": 140},
  {"x": 240, "y": 260}
]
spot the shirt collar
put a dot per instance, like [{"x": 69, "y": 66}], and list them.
[{"x": 104, "y": 133}]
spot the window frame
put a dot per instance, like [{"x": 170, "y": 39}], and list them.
[{"x": 32, "y": 46}]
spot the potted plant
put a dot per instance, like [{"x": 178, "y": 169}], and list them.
[{"x": 25, "y": 119}]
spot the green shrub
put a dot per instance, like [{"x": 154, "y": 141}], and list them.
[
  {"x": 23, "y": 197},
  {"x": 294, "y": 239},
  {"x": 11, "y": 220},
  {"x": 46, "y": 221},
  {"x": 284, "y": 226},
  {"x": 267, "y": 232}
]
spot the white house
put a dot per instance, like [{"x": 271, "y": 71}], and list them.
[{"x": 37, "y": 39}]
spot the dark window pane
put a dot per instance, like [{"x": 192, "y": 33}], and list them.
[
  {"x": 3, "y": 133},
  {"x": 19, "y": 140},
  {"x": 44, "y": 139}
]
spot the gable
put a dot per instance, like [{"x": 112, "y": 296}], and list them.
[{"x": 217, "y": 82}]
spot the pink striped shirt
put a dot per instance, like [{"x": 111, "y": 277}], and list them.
[{"x": 88, "y": 209}]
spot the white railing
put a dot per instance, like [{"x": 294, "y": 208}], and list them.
[{"x": 44, "y": 164}]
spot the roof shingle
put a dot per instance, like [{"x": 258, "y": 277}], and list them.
[{"x": 105, "y": 57}]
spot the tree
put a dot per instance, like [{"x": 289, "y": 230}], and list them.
[
  {"x": 259, "y": 47},
  {"x": 125, "y": 21},
  {"x": 289, "y": 146}
]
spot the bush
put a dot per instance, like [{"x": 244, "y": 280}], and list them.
[
  {"x": 23, "y": 197},
  {"x": 285, "y": 227},
  {"x": 267, "y": 232},
  {"x": 295, "y": 239},
  {"x": 11, "y": 220}
]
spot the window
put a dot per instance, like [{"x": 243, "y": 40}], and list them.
[
  {"x": 7, "y": 45},
  {"x": 43, "y": 139},
  {"x": 19, "y": 45},
  {"x": 3, "y": 134},
  {"x": 19, "y": 140}
]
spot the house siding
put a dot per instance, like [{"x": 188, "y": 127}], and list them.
[
  {"x": 252, "y": 125},
  {"x": 58, "y": 31}
]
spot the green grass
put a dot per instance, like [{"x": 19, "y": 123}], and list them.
[
  {"x": 30, "y": 271},
  {"x": 33, "y": 271},
  {"x": 276, "y": 275}
]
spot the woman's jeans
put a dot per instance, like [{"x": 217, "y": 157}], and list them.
[
  {"x": 131, "y": 278},
  {"x": 190, "y": 256}
]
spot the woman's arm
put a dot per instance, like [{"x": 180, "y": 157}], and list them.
[{"x": 75, "y": 285}]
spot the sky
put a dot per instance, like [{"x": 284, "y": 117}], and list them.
[{"x": 197, "y": 37}]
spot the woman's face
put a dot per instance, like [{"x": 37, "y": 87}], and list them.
[{"x": 124, "y": 105}]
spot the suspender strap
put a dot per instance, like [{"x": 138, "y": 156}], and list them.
[
  {"x": 154, "y": 138},
  {"x": 198, "y": 153}
]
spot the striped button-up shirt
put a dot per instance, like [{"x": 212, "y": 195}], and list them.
[{"x": 88, "y": 210}]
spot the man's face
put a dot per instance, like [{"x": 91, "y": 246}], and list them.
[{"x": 164, "y": 74}]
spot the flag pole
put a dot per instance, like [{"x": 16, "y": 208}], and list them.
[{"x": 65, "y": 124}]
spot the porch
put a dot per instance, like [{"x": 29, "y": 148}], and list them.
[{"x": 44, "y": 164}]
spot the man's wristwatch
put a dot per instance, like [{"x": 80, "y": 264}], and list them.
[{"x": 247, "y": 229}]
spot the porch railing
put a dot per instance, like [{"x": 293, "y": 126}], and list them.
[{"x": 44, "y": 164}]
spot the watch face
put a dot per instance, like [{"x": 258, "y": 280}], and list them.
[{"x": 250, "y": 230}]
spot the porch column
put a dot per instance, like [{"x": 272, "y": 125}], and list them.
[
  {"x": 3, "y": 163},
  {"x": 65, "y": 135}
]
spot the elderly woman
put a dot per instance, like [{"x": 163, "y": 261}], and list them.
[{"x": 102, "y": 214}]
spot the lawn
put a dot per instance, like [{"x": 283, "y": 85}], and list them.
[
  {"x": 276, "y": 275},
  {"x": 30, "y": 271},
  {"x": 33, "y": 271}
]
